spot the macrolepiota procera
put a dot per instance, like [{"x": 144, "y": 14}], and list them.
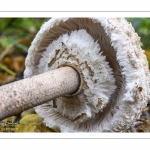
[{"x": 96, "y": 76}]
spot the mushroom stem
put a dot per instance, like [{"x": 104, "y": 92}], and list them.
[{"x": 30, "y": 92}]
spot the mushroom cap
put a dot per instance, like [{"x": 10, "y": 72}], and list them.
[{"x": 113, "y": 69}]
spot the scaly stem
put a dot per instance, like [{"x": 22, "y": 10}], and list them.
[{"x": 30, "y": 92}]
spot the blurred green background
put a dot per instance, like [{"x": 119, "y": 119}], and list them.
[
  {"x": 14, "y": 29},
  {"x": 142, "y": 27}
]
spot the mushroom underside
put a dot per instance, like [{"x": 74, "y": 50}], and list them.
[{"x": 112, "y": 66}]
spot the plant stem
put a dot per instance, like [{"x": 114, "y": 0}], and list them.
[{"x": 7, "y": 70}]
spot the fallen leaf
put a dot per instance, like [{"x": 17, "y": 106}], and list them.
[{"x": 32, "y": 123}]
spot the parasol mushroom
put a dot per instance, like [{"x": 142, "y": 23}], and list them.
[{"x": 107, "y": 73}]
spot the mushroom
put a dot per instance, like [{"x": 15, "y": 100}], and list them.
[{"x": 109, "y": 69}]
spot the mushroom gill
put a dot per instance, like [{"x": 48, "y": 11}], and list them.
[{"x": 113, "y": 69}]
